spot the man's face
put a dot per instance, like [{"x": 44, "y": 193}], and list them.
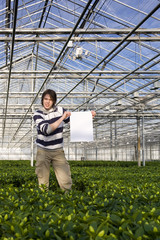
[{"x": 47, "y": 102}]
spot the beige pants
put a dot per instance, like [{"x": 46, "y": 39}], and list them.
[{"x": 57, "y": 159}]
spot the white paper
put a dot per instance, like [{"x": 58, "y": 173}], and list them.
[{"x": 81, "y": 127}]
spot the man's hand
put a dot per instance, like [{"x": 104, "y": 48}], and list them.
[
  {"x": 93, "y": 113},
  {"x": 66, "y": 114},
  {"x": 55, "y": 125}
]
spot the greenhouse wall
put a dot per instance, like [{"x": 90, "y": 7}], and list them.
[
  {"x": 107, "y": 154},
  {"x": 152, "y": 151},
  {"x": 122, "y": 153},
  {"x": 15, "y": 154}
]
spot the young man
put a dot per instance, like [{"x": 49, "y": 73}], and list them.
[{"x": 49, "y": 121}]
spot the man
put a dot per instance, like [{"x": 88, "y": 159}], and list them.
[{"x": 49, "y": 121}]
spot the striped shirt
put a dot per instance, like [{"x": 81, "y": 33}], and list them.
[{"x": 46, "y": 137}]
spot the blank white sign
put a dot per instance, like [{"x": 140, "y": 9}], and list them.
[{"x": 81, "y": 127}]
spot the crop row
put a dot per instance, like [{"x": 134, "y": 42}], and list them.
[{"x": 106, "y": 202}]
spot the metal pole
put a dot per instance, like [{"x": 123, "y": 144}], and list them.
[
  {"x": 96, "y": 145},
  {"x": 159, "y": 149},
  {"x": 32, "y": 148},
  {"x": 150, "y": 151},
  {"x": 10, "y": 67},
  {"x": 126, "y": 151},
  {"x": 111, "y": 142},
  {"x": 32, "y": 125},
  {"x": 115, "y": 139},
  {"x": 68, "y": 149},
  {"x": 143, "y": 142},
  {"x": 75, "y": 151},
  {"x": 138, "y": 142}
]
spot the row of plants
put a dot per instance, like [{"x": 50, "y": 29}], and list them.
[{"x": 111, "y": 201}]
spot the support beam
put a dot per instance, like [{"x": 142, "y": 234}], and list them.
[
  {"x": 67, "y": 71},
  {"x": 115, "y": 133},
  {"x": 58, "y": 31},
  {"x": 111, "y": 142},
  {"x": 98, "y": 116},
  {"x": 143, "y": 143},
  {"x": 72, "y": 76},
  {"x": 80, "y": 39},
  {"x": 8, "y": 13},
  {"x": 138, "y": 142},
  {"x": 11, "y": 59}
]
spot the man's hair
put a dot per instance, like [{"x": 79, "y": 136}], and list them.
[{"x": 52, "y": 95}]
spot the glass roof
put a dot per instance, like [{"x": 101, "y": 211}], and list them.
[{"x": 100, "y": 55}]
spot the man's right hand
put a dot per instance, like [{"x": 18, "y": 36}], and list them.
[{"x": 66, "y": 114}]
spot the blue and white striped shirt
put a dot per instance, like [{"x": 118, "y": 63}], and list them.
[{"x": 46, "y": 137}]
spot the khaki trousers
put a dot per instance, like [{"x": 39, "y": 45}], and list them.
[{"x": 56, "y": 158}]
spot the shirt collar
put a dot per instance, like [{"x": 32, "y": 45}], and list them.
[{"x": 53, "y": 109}]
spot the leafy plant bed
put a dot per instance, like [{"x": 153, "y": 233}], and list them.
[{"x": 107, "y": 201}]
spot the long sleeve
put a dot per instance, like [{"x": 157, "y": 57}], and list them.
[{"x": 42, "y": 125}]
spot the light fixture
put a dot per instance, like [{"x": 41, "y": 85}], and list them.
[
  {"x": 79, "y": 52},
  {"x": 135, "y": 94},
  {"x": 70, "y": 44},
  {"x": 107, "y": 108},
  {"x": 119, "y": 103},
  {"x": 156, "y": 86}
]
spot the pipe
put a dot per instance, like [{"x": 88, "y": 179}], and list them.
[{"x": 11, "y": 59}]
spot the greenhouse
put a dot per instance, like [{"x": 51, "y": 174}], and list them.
[
  {"x": 99, "y": 56},
  {"x": 96, "y": 55}
]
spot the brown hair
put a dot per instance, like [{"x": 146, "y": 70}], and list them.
[{"x": 52, "y": 95}]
